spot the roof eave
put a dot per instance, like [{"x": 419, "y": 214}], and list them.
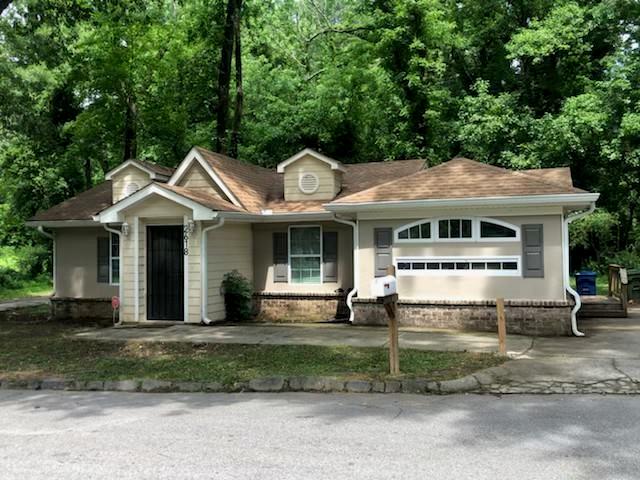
[
  {"x": 61, "y": 223},
  {"x": 557, "y": 199}
]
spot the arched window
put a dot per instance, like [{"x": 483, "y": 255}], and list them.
[{"x": 457, "y": 229}]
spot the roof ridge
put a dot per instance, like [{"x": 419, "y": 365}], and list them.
[{"x": 226, "y": 157}]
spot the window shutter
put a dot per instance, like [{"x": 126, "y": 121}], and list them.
[
  {"x": 280, "y": 257},
  {"x": 532, "y": 251},
  {"x": 382, "y": 241},
  {"x": 330, "y": 256},
  {"x": 103, "y": 259}
]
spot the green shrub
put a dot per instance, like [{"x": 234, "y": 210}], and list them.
[
  {"x": 237, "y": 296},
  {"x": 624, "y": 258},
  {"x": 33, "y": 260},
  {"x": 10, "y": 279}
]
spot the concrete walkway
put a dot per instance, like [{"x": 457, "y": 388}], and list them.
[
  {"x": 312, "y": 334},
  {"x": 19, "y": 303}
]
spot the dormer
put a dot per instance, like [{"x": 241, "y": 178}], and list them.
[
  {"x": 132, "y": 175},
  {"x": 309, "y": 175}
]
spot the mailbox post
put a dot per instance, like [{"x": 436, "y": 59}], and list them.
[{"x": 385, "y": 291}]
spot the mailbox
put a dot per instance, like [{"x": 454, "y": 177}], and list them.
[{"x": 383, "y": 286}]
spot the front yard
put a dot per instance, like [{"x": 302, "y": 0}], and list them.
[{"x": 38, "y": 349}]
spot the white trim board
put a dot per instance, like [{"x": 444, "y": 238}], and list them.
[
  {"x": 194, "y": 155},
  {"x": 132, "y": 163},
  {"x": 113, "y": 214},
  {"x": 570, "y": 199},
  {"x": 334, "y": 164}
]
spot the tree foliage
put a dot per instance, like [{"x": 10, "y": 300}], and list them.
[{"x": 520, "y": 84}]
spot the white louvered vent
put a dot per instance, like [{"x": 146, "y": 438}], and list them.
[
  {"x": 131, "y": 188},
  {"x": 309, "y": 183}
]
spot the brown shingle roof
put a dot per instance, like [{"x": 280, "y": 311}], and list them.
[
  {"x": 250, "y": 184},
  {"x": 210, "y": 201},
  {"x": 460, "y": 178},
  {"x": 159, "y": 169},
  {"x": 81, "y": 207},
  {"x": 560, "y": 175}
]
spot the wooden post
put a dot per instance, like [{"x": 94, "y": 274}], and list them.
[
  {"x": 502, "y": 327},
  {"x": 391, "y": 306}
]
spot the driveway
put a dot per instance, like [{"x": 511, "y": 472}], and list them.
[
  {"x": 606, "y": 360},
  {"x": 89, "y": 435}
]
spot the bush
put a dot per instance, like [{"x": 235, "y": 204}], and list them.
[
  {"x": 237, "y": 296},
  {"x": 623, "y": 258},
  {"x": 10, "y": 279},
  {"x": 33, "y": 260}
]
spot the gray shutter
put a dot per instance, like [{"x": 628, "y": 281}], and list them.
[
  {"x": 330, "y": 256},
  {"x": 103, "y": 259},
  {"x": 382, "y": 238},
  {"x": 532, "y": 251},
  {"x": 280, "y": 257}
]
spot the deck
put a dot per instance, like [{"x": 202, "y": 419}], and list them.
[{"x": 601, "y": 306}]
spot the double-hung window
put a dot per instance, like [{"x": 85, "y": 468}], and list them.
[
  {"x": 305, "y": 247},
  {"x": 109, "y": 259}
]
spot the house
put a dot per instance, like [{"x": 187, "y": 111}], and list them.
[{"x": 460, "y": 234}]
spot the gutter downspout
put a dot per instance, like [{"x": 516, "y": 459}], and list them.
[
  {"x": 356, "y": 263},
  {"x": 120, "y": 287},
  {"x": 204, "y": 288},
  {"x": 52, "y": 237},
  {"x": 565, "y": 260}
]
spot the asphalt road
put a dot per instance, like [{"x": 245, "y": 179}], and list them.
[{"x": 65, "y": 435}]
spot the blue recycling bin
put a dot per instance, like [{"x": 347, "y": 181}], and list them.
[{"x": 586, "y": 282}]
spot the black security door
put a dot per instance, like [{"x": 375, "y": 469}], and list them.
[{"x": 165, "y": 273}]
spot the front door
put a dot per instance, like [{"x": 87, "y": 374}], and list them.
[{"x": 165, "y": 273}]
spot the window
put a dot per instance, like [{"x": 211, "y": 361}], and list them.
[
  {"x": 416, "y": 232},
  {"x": 454, "y": 228},
  {"x": 496, "y": 230},
  {"x": 459, "y": 266},
  {"x": 305, "y": 254},
  {"x": 115, "y": 259},
  {"x": 109, "y": 259},
  {"x": 473, "y": 229}
]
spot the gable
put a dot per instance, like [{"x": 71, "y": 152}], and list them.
[
  {"x": 125, "y": 180},
  {"x": 197, "y": 179},
  {"x": 311, "y": 179}
]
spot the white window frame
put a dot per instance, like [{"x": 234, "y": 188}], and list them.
[
  {"x": 460, "y": 273},
  {"x": 475, "y": 231},
  {"x": 303, "y": 255},
  {"x": 112, "y": 258}
]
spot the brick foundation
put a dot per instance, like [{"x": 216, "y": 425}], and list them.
[
  {"x": 78, "y": 308},
  {"x": 296, "y": 307},
  {"x": 543, "y": 318}
]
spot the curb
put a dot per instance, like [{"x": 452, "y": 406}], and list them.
[{"x": 263, "y": 384}]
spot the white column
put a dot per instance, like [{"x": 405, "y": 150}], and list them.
[{"x": 136, "y": 267}]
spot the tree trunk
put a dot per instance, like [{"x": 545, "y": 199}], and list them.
[
  {"x": 87, "y": 172},
  {"x": 237, "y": 114},
  {"x": 130, "y": 130},
  {"x": 224, "y": 77}
]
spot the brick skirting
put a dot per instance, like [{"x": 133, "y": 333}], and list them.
[
  {"x": 544, "y": 318},
  {"x": 296, "y": 307},
  {"x": 77, "y": 308}
]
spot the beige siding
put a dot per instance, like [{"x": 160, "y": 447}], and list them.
[
  {"x": 469, "y": 288},
  {"x": 77, "y": 264},
  {"x": 197, "y": 179},
  {"x": 263, "y": 259},
  {"x": 228, "y": 247},
  {"x": 329, "y": 180},
  {"x": 126, "y": 176}
]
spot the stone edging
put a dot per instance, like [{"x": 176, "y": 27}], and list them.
[
  {"x": 264, "y": 384},
  {"x": 488, "y": 381}
]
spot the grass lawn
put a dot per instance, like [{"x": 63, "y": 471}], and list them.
[
  {"x": 45, "y": 348},
  {"x": 39, "y": 287}
]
